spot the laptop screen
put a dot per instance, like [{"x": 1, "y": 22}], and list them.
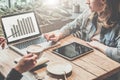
[{"x": 20, "y": 26}]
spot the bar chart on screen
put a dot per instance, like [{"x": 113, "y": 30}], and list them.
[
  {"x": 25, "y": 26},
  {"x": 20, "y": 26}
]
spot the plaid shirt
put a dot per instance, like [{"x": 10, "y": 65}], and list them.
[{"x": 85, "y": 26}]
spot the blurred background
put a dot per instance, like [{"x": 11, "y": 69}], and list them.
[{"x": 48, "y": 12}]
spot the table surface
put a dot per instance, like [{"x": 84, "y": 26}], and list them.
[{"x": 93, "y": 66}]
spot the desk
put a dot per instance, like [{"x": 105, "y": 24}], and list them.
[{"x": 93, "y": 66}]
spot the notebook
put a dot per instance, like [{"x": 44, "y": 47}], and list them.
[{"x": 22, "y": 30}]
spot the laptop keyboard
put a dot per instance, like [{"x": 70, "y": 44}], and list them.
[{"x": 28, "y": 43}]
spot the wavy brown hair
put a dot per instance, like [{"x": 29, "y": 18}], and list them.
[{"x": 114, "y": 7}]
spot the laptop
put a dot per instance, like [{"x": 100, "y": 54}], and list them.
[{"x": 22, "y": 30}]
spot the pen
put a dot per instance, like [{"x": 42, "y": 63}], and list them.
[
  {"x": 7, "y": 37},
  {"x": 12, "y": 34}
]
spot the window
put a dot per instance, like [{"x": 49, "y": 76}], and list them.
[
  {"x": 12, "y": 6},
  {"x": 3, "y": 3},
  {"x": 12, "y": 3}
]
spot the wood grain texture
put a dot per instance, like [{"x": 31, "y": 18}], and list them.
[{"x": 92, "y": 66}]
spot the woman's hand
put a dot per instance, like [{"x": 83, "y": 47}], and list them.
[
  {"x": 26, "y": 63},
  {"x": 53, "y": 36},
  {"x": 98, "y": 45},
  {"x": 96, "y": 38},
  {"x": 2, "y": 42}
]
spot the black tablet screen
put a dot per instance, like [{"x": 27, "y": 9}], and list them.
[{"x": 72, "y": 50}]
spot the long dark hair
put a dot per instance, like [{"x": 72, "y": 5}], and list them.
[{"x": 114, "y": 7}]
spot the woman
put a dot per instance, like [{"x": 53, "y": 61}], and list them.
[{"x": 100, "y": 26}]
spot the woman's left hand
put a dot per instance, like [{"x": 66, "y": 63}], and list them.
[
  {"x": 98, "y": 45},
  {"x": 94, "y": 44}
]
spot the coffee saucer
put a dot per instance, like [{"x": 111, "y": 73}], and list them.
[{"x": 59, "y": 68}]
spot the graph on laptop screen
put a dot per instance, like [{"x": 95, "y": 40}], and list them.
[{"x": 20, "y": 26}]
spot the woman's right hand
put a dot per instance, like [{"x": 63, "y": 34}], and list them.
[
  {"x": 2, "y": 42},
  {"x": 53, "y": 36}
]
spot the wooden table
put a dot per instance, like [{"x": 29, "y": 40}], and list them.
[{"x": 93, "y": 66}]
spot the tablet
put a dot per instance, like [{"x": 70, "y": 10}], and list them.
[{"x": 72, "y": 51}]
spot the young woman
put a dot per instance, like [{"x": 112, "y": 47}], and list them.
[{"x": 100, "y": 25}]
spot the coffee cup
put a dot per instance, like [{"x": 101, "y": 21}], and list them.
[{"x": 35, "y": 49}]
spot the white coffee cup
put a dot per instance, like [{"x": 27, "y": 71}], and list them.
[{"x": 35, "y": 49}]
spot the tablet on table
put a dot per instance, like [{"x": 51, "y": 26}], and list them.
[{"x": 72, "y": 51}]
